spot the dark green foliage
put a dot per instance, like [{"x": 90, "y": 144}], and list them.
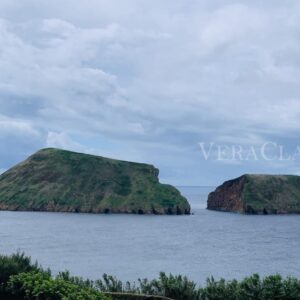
[
  {"x": 85, "y": 283},
  {"x": 110, "y": 283},
  {"x": 181, "y": 288},
  {"x": 59, "y": 180},
  {"x": 252, "y": 288},
  {"x": 21, "y": 279},
  {"x": 218, "y": 290},
  {"x": 13, "y": 265},
  {"x": 40, "y": 286},
  {"x": 177, "y": 287},
  {"x": 271, "y": 194}
]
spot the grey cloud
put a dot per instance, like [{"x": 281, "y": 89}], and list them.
[{"x": 148, "y": 73}]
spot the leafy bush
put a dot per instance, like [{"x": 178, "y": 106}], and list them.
[
  {"x": 85, "y": 283},
  {"x": 41, "y": 286},
  {"x": 219, "y": 290},
  {"x": 22, "y": 279},
  {"x": 14, "y": 264},
  {"x": 177, "y": 287},
  {"x": 181, "y": 288},
  {"x": 252, "y": 288},
  {"x": 111, "y": 284}
]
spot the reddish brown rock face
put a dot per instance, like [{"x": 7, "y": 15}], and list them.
[
  {"x": 227, "y": 197},
  {"x": 258, "y": 194}
]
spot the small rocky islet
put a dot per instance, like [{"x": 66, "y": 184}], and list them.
[
  {"x": 64, "y": 181},
  {"x": 258, "y": 194}
]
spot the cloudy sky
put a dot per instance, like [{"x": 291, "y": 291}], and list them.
[{"x": 152, "y": 81}]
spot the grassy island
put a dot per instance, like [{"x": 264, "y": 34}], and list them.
[
  {"x": 64, "y": 181},
  {"x": 258, "y": 194}
]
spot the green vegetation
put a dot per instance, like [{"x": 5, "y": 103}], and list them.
[
  {"x": 59, "y": 180},
  {"x": 42, "y": 286},
  {"x": 258, "y": 194},
  {"x": 271, "y": 194},
  {"x": 21, "y": 279}
]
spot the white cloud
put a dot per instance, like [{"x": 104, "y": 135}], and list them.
[
  {"x": 63, "y": 141},
  {"x": 145, "y": 72},
  {"x": 12, "y": 126},
  {"x": 230, "y": 24}
]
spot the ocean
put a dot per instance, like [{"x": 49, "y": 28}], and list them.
[{"x": 204, "y": 244}]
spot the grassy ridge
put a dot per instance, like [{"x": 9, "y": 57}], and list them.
[
  {"x": 272, "y": 194},
  {"x": 59, "y": 180}
]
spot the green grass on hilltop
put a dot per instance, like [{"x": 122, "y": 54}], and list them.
[
  {"x": 272, "y": 193},
  {"x": 60, "y": 180}
]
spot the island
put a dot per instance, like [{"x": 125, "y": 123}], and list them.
[
  {"x": 57, "y": 180},
  {"x": 258, "y": 194}
]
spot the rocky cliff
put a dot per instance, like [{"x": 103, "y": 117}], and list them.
[
  {"x": 258, "y": 194},
  {"x": 65, "y": 181}
]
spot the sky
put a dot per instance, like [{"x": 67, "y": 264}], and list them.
[{"x": 204, "y": 90}]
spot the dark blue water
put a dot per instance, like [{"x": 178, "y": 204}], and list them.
[{"x": 132, "y": 246}]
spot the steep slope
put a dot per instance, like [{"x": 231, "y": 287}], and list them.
[
  {"x": 258, "y": 194},
  {"x": 59, "y": 180}
]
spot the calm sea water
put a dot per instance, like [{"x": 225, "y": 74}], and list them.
[{"x": 132, "y": 246}]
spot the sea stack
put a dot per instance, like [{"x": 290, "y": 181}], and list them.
[
  {"x": 258, "y": 194},
  {"x": 64, "y": 181}
]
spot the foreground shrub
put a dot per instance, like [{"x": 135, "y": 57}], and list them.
[
  {"x": 252, "y": 288},
  {"x": 40, "y": 286},
  {"x": 12, "y": 265},
  {"x": 176, "y": 287},
  {"x": 219, "y": 290},
  {"x": 15, "y": 264},
  {"x": 181, "y": 288},
  {"x": 21, "y": 279},
  {"x": 85, "y": 283},
  {"x": 111, "y": 284}
]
